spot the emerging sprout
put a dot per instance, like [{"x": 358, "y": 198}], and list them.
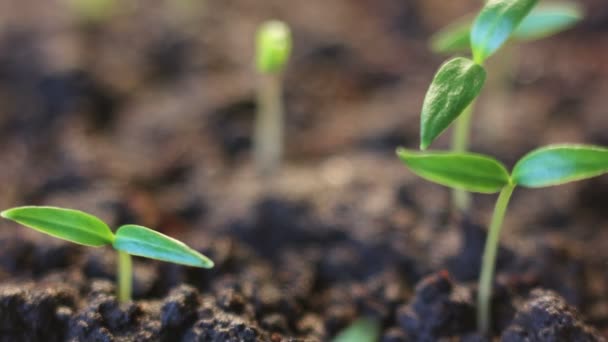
[
  {"x": 361, "y": 330},
  {"x": 85, "y": 229},
  {"x": 547, "y": 166},
  {"x": 273, "y": 48},
  {"x": 452, "y": 94},
  {"x": 93, "y": 11}
]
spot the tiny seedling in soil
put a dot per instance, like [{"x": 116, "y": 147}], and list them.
[
  {"x": 85, "y": 229},
  {"x": 452, "y": 94},
  {"x": 273, "y": 47},
  {"x": 361, "y": 330},
  {"x": 546, "y": 166}
]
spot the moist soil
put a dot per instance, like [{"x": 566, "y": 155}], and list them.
[{"x": 147, "y": 119}]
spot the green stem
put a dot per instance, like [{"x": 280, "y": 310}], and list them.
[
  {"x": 488, "y": 263},
  {"x": 268, "y": 135},
  {"x": 461, "y": 199},
  {"x": 125, "y": 277}
]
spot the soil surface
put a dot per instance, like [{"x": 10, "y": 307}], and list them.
[{"x": 146, "y": 118}]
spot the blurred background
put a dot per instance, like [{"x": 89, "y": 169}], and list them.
[{"x": 142, "y": 111}]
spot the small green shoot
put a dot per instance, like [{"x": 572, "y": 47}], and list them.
[
  {"x": 361, "y": 330},
  {"x": 452, "y": 94},
  {"x": 85, "y": 229},
  {"x": 546, "y": 166},
  {"x": 273, "y": 48},
  {"x": 93, "y": 11}
]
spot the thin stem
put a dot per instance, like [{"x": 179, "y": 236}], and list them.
[
  {"x": 268, "y": 135},
  {"x": 488, "y": 263},
  {"x": 461, "y": 199},
  {"x": 125, "y": 277}
]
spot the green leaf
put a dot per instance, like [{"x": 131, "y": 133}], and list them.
[
  {"x": 467, "y": 171},
  {"x": 548, "y": 19},
  {"x": 67, "y": 224},
  {"x": 495, "y": 24},
  {"x": 454, "y": 87},
  {"x": 453, "y": 38},
  {"x": 559, "y": 164},
  {"x": 544, "y": 20},
  {"x": 273, "y": 46},
  {"x": 361, "y": 330},
  {"x": 145, "y": 242}
]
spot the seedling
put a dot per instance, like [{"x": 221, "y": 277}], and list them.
[
  {"x": 451, "y": 96},
  {"x": 273, "y": 47},
  {"x": 85, "y": 229},
  {"x": 361, "y": 330},
  {"x": 92, "y": 12},
  {"x": 546, "y": 166}
]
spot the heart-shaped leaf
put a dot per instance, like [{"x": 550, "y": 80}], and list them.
[
  {"x": 547, "y": 19},
  {"x": 145, "y": 242},
  {"x": 67, "y": 224},
  {"x": 495, "y": 24},
  {"x": 454, "y": 87},
  {"x": 559, "y": 164},
  {"x": 467, "y": 171}
]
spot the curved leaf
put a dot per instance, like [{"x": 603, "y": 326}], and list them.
[
  {"x": 495, "y": 24},
  {"x": 145, "y": 242},
  {"x": 67, "y": 224},
  {"x": 544, "y": 20},
  {"x": 547, "y": 19},
  {"x": 454, "y": 87},
  {"x": 468, "y": 171},
  {"x": 454, "y": 37},
  {"x": 559, "y": 164}
]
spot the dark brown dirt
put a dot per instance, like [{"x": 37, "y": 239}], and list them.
[{"x": 147, "y": 119}]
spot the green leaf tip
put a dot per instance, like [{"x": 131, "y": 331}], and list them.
[
  {"x": 457, "y": 83},
  {"x": 467, "y": 171},
  {"x": 495, "y": 24},
  {"x": 544, "y": 20},
  {"x": 361, "y": 330},
  {"x": 67, "y": 224},
  {"x": 560, "y": 164},
  {"x": 547, "y": 19},
  {"x": 273, "y": 46},
  {"x": 148, "y": 243}
]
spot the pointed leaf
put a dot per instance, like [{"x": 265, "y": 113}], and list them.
[
  {"x": 454, "y": 87},
  {"x": 145, "y": 242},
  {"x": 548, "y": 19},
  {"x": 544, "y": 20},
  {"x": 559, "y": 164},
  {"x": 468, "y": 171},
  {"x": 495, "y": 24},
  {"x": 67, "y": 224}
]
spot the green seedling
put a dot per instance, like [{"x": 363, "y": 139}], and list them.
[
  {"x": 361, "y": 330},
  {"x": 93, "y": 11},
  {"x": 452, "y": 94},
  {"x": 546, "y": 166},
  {"x": 85, "y": 229},
  {"x": 273, "y": 48}
]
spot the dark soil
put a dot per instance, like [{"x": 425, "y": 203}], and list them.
[{"x": 147, "y": 119}]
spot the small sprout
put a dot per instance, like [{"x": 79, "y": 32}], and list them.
[
  {"x": 546, "y": 166},
  {"x": 546, "y": 19},
  {"x": 273, "y": 41},
  {"x": 272, "y": 53},
  {"x": 361, "y": 330},
  {"x": 454, "y": 87},
  {"x": 85, "y": 229},
  {"x": 495, "y": 24}
]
